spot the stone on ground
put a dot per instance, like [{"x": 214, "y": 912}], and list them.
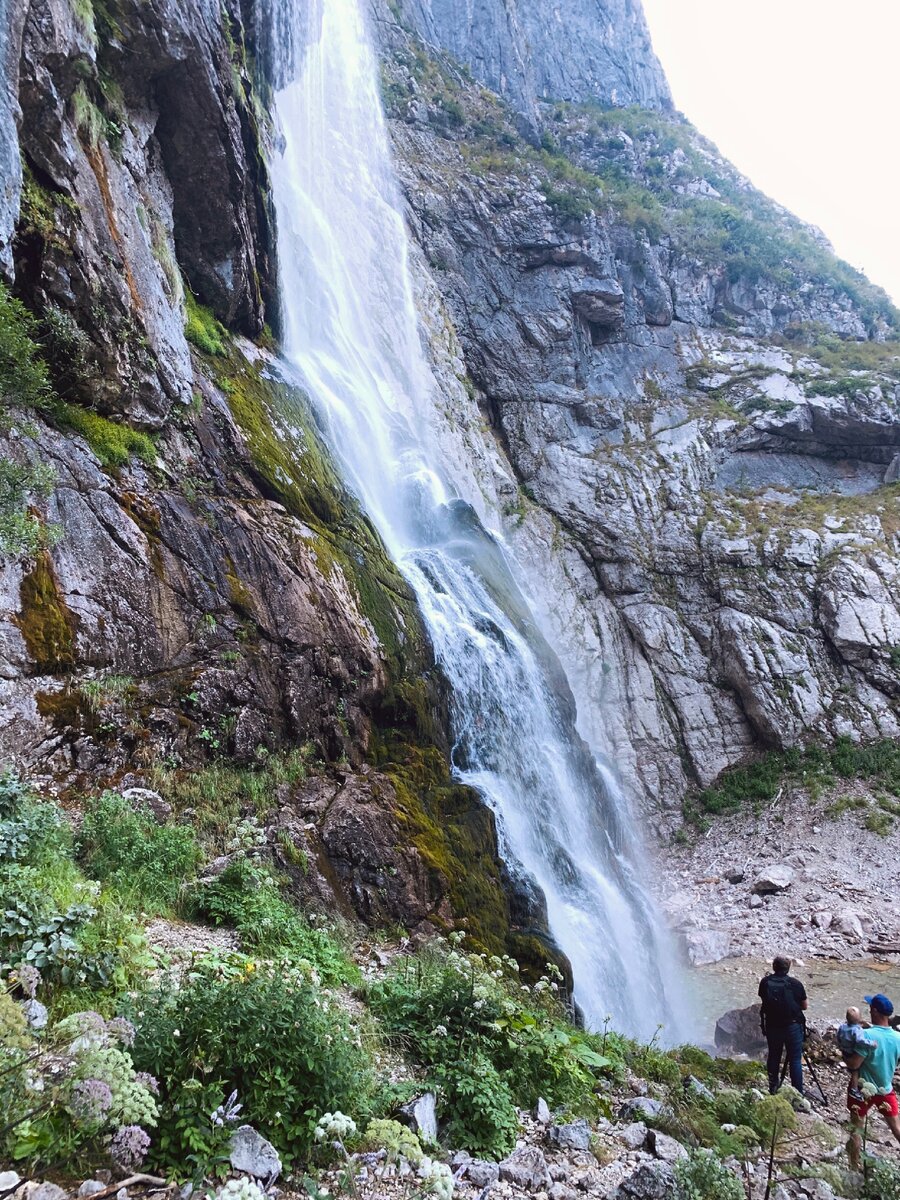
[
  {"x": 526, "y": 1168},
  {"x": 252, "y": 1154}
]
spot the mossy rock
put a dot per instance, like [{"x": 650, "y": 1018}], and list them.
[
  {"x": 45, "y": 621},
  {"x": 291, "y": 465}
]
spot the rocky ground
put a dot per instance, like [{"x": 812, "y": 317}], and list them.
[
  {"x": 800, "y": 875},
  {"x": 625, "y": 1157}
]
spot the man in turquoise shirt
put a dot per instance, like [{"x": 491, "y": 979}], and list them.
[{"x": 876, "y": 1071}]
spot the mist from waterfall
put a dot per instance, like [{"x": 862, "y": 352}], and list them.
[{"x": 351, "y": 333}]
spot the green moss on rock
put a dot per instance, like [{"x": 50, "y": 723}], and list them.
[
  {"x": 44, "y": 620},
  {"x": 456, "y": 837},
  {"x": 112, "y": 442}
]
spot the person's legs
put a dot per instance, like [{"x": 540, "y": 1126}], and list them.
[
  {"x": 854, "y": 1146},
  {"x": 775, "y": 1038},
  {"x": 893, "y": 1124},
  {"x": 853, "y": 1063},
  {"x": 794, "y": 1043}
]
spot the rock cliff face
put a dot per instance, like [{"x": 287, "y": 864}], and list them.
[
  {"x": 699, "y": 411},
  {"x": 184, "y": 578},
  {"x": 682, "y": 407},
  {"x": 531, "y": 51}
]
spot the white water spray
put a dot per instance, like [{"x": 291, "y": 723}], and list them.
[{"x": 351, "y": 332}]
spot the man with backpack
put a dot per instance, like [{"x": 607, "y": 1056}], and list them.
[{"x": 783, "y": 1023}]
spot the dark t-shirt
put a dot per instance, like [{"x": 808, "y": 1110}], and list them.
[{"x": 782, "y": 999}]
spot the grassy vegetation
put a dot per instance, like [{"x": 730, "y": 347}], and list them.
[
  {"x": 814, "y": 767},
  {"x": 201, "y": 328},
  {"x": 112, "y": 442}
]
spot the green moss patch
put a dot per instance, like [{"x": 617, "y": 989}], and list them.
[
  {"x": 112, "y": 442},
  {"x": 44, "y": 620},
  {"x": 201, "y": 328}
]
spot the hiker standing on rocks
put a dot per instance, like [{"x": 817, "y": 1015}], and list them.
[
  {"x": 783, "y": 1023},
  {"x": 876, "y": 1072}
]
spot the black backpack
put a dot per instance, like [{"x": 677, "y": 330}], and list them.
[{"x": 780, "y": 1005}]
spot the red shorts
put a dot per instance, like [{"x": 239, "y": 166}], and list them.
[{"x": 887, "y": 1105}]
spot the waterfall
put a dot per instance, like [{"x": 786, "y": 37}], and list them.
[{"x": 351, "y": 333}]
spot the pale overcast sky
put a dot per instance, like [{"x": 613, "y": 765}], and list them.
[{"x": 804, "y": 97}]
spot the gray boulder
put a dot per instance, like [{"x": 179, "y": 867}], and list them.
[
  {"x": 651, "y": 1181},
  {"x": 574, "y": 1136},
  {"x": 48, "y": 1191},
  {"x": 663, "y": 1147},
  {"x": 640, "y": 1106},
  {"x": 482, "y": 1174},
  {"x": 777, "y": 878},
  {"x": 146, "y": 798},
  {"x": 526, "y": 1168},
  {"x": 739, "y": 1031},
  {"x": 9, "y": 1180},
  {"x": 634, "y": 1135},
  {"x": 706, "y": 946},
  {"x": 542, "y": 1111},
  {"x": 421, "y": 1116},
  {"x": 35, "y": 1014},
  {"x": 252, "y": 1154}
]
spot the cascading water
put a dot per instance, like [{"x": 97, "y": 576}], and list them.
[{"x": 351, "y": 332}]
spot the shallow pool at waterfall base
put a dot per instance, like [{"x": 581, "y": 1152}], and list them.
[{"x": 831, "y": 986}]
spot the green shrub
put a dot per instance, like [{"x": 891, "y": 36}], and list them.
[
  {"x": 703, "y": 1176},
  {"x": 79, "y": 1102},
  {"x": 268, "y": 1032},
  {"x": 24, "y": 380},
  {"x": 478, "y": 1107},
  {"x": 21, "y": 532},
  {"x": 146, "y": 863},
  {"x": 881, "y": 1180},
  {"x": 462, "y": 1014},
  {"x": 246, "y": 896}
]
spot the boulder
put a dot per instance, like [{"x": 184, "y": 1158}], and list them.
[
  {"x": 421, "y": 1116},
  {"x": 482, "y": 1174},
  {"x": 634, "y": 1135},
  {"x": 663, "y": 1147},
  {"x": 692, "y": 1084},
  {"x": 756, "y": 901},
  {"x": 735, "y": 875},
  {"x": 48, "y": 1191},
  {"x": 89, "y": 1188},
  {"x": 35, "y": 1014},
  {"x": 651, "y": 1181},
  {"x": 823, "y": 919},
  {"x": 252, "y": 1154},
  {"x": 575, "y": 1135},
  {"x": 152, "y": 802},
  {"x": 849, "y": 924},
  {"x": 601, "y": 302},
  {"x": 561, "y": 1191},
  {"x": 591, "y": 1181},
  {"x": 542, "y": 1111},
  {"x": 777, "y": 878},
  {"x": 640, "y": 1106},
  {"x": 526, "y": 1168},
  {"x": 739, "y": 1031},
  {"x": 9, "y": 1180},
  {"x": 707, "y": 946}
]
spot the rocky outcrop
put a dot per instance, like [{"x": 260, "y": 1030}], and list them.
[
  {"x": 142, "y": 164},
  {"x": 699, "y": 435},
  {"x": 535, "y": 50}
]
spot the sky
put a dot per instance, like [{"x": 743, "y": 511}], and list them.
[{"x": 804, "y": 97}]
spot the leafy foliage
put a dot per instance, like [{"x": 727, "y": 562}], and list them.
[
  {"x": 703, "y": 1176},
  {"x": 145, "y": 862},
  {"x": 759, "y": 782},
  {"x": 466, "y": 1018},
  {"x": 216, "y": 1034},
  {"x": 246, "y": 896},
  {"x": 24, "y": 380},
  {"x": 201, "y": 327}
]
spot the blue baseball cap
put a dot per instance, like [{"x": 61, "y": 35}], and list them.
[{"x": 880, "y": 1003}]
